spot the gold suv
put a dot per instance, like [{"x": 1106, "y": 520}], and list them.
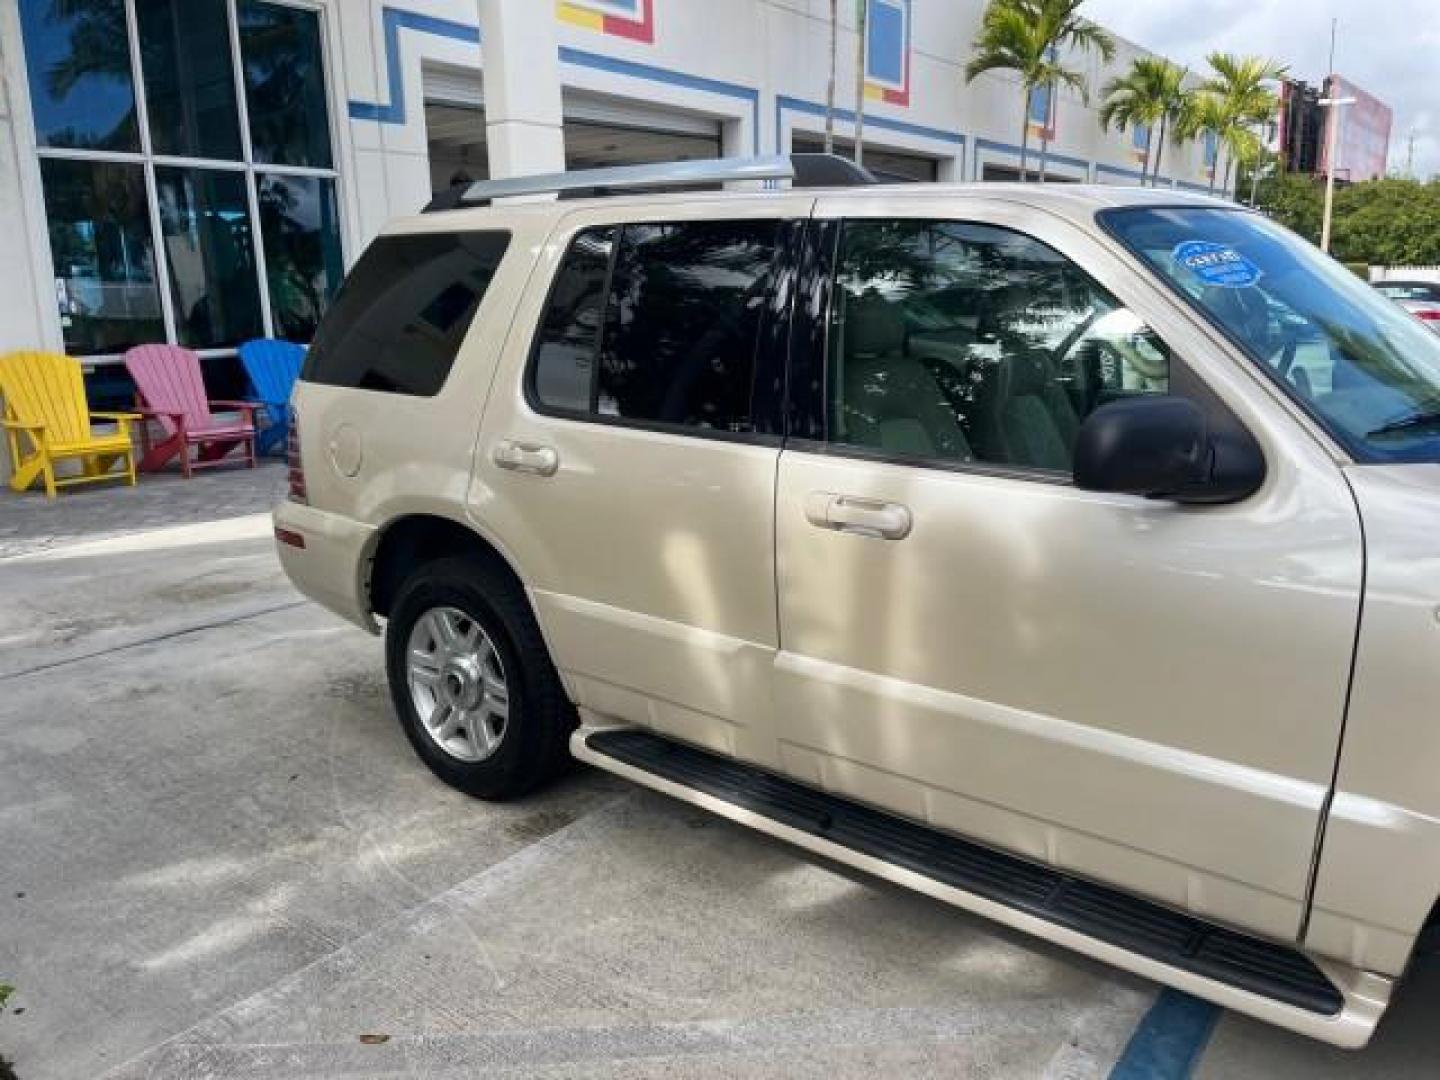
[{"x": 1069, "y": 554}]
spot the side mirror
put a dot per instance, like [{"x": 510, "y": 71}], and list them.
[{"x": 1155, "y": 446}]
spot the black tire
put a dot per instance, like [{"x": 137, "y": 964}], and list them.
[{"x": 534, "y": 746}]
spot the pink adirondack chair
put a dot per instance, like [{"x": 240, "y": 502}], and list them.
[{"x": 171, "y": 390}]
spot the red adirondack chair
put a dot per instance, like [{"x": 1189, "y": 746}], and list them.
[{"x": 170, "y": 389}]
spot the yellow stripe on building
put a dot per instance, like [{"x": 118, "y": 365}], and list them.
[{"x": 578, "y": 16}]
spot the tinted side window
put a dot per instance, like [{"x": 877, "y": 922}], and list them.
[
  {"x": 683, "y": 323},
  {"x": 402, "y": 313},
  {"x": 564, "y": 365},
  {"x": 964, "y": 342}
]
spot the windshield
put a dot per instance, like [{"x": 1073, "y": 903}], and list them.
[{"x": 1357, "y": 362}]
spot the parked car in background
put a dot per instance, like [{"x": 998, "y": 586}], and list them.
[
  {"x": 1420, "y": 298},
  {"x": 1008, "y": 542}
]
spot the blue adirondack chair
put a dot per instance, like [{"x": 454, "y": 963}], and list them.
[{"x": 272, "y": 367}]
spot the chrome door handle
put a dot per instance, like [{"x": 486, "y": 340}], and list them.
[
  {"x": 527, "y": 457},
  {"x": 864, "y": 517}
]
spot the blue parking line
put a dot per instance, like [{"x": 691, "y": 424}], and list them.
[{"x": 1169, "y": 1040}]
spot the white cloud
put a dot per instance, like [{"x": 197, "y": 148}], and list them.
[{"x": 1388, "y": 47}]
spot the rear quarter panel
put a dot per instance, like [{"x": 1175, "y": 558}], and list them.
[{"x": 414, "y": 453}]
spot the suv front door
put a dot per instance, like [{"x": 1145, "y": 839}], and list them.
[{"x": 1140, "y": 692}]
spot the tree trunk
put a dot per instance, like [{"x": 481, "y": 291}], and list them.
[
  {"x": 1159, "y": 154},
  {"x": 1145, "y": 164},
  {"x": 860, "y": 83},
  {"x": 1025, "y": 134},
  {"x": 830, "y": 86},
  {"x": 1228, "y": 166}
]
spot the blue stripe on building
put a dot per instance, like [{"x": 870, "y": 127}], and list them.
[
  {"x": 394, "y": 20},
  {"x": 1033, "y": 154},
  {"x": 636, "y": 70},
  {"x": 847, "y": 116}
]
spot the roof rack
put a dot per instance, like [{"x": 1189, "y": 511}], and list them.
[{"x": 803, "y": 170}]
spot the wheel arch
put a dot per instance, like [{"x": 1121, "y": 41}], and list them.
[{"x": 415, "y": 539}]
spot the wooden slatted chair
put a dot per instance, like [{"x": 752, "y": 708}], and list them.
[
  {"x": 46, "y": 408},
  {"x": 172, "y": 391},
  {"x": 272, "y": 367}
]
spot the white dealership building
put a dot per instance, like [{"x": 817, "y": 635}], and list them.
[{"x": 202, "y": 171}]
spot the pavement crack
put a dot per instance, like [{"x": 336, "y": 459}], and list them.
[{"x": 170, "y": 635}]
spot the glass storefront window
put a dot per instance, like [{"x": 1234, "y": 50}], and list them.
[
  {"x": 205, "y": 218},
  {"x": 189, "y": 78},
  {"x": 284, "y": 85},
  {"x": 299, "y": 220},
  {"x": 82, "y": 91},
  {"x": 99, "y": 221},
  {"x": 152, "y": 232}
]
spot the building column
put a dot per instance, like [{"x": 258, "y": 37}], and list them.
[
  {"x": 22, "y": 306},
  {"x": 523, "y": 113}
]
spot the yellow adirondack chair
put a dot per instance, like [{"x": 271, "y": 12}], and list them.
[{"x": 45, "y": 403}]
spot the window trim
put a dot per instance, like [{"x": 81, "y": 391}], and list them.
[
  {"x": 789, "y": 235},
  {"x": 1184, "y": 380},
  {"x": 880, "y": 456}
]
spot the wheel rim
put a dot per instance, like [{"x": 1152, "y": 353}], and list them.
[{"x": 457, "y": 684}]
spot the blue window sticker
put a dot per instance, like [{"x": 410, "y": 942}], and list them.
[{"x": 1217, "y": 264}]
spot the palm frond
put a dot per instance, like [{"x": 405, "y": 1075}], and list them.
[{"x": 1028, "y": 36}]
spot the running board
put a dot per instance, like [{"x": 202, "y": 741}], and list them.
[{"x": 1273, "y": 982}]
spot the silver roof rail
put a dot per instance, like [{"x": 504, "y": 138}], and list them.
[{"x": 667, "y": 174}]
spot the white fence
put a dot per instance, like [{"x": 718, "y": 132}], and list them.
[{"x": 1405, "y": 273}]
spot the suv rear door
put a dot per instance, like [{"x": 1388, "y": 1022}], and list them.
[
  {"x": 627, "y": 460},
  {"x": 1140, "y": 692}
]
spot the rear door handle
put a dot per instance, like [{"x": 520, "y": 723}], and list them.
[
  {"x": 864, "y": 517},
  {"x": 527, "y": 457}
]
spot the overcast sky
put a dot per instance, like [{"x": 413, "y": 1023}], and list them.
[{"x": 1389, "y": 47}]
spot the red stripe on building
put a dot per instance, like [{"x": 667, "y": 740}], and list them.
[{"x": 641, "y": 30}]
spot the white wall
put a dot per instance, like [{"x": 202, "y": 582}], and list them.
[
  {"x": 19, "y": 300},
  {"x": 20, "y": 321},
  {"x": 759, "y": 67}
]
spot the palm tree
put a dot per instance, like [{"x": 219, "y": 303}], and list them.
[
  {"x": 1255, "y": 164},
  {"x": 1244, "y": 100},
  {"x": 830, "y": 86},
  {"x": 1151, "y": 94},
  {"x": 1243, "y": 147},
  {"x": 1026, "y": 36},
  {"x": 1204, "y": 115}
]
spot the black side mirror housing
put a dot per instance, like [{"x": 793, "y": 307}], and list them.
[{"x": 1161, "y": 447}]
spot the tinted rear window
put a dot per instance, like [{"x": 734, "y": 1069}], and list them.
[
  {"x": 403, "y": 311},
  {"x": 682, "y": 329},
  {"x": 677, "y": 339}
]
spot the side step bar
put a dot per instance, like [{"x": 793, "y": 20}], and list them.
[{"x": 1272, "y": 982}]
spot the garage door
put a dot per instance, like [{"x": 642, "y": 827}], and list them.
[
  {"x": 599, "y": 130},
  {"x": 889, "y": 165}
]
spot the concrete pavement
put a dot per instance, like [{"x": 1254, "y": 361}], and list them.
[{"x": 220, "y": 858}]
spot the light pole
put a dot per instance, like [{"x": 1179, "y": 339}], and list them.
[{"x": 1334, "y": 104}]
